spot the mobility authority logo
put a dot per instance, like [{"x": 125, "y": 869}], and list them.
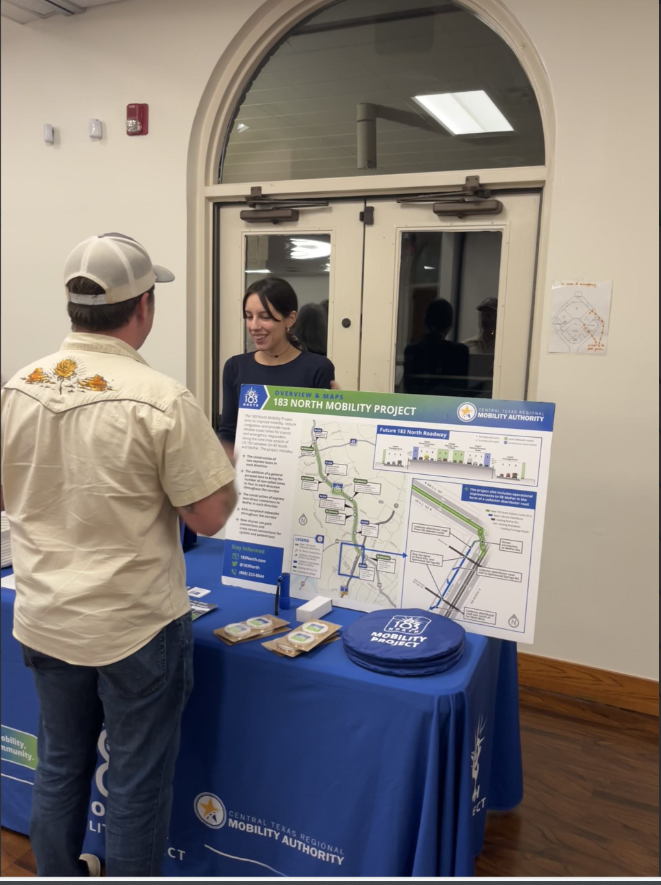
[
  {"x": 210, "y": 809},
  {"x": 466, "y": 412}
]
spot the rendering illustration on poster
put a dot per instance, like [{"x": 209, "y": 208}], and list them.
[{"x": 390, "y": 501}]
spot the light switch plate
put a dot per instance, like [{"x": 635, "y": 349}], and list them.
[{"x": 95, "y": 129}]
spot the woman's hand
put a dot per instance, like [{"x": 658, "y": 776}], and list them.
[{"x": 335, "y": 386}]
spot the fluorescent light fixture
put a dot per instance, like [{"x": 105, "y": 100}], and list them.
[
  {"x": 465, "y": 113},
  {"x": 428, "y": 267},
  {"x": 259, "y": 270},
  {"x": 241, "y": 127},
  {"x": 303, "y": 249}
]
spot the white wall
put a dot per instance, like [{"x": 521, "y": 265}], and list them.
[
  {"x": 64, "y": 71},
  {"x": 599, "y": 599},
  {"x": 599, "y": 594}
]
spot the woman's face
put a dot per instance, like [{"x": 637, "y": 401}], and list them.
[{"x": 267, "y": 332}]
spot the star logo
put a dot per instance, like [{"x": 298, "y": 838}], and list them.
[
  {"x": 210, "y": 810},
  {"x": 466, "y": 412}
]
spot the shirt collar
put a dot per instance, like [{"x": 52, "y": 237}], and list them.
[{"x": 88, "y": 341}]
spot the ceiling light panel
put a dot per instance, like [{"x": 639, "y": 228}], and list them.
[{"x": 465, "y": 113}]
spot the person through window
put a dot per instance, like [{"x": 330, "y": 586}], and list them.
[
  {"x": 481, "y": 348},
  {"x": 311, "y": 328},
  {"x": 484, "y": 342},
  {"x": 434, "y": 365}
]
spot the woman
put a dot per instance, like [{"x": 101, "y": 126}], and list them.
[{"x": 270, "y": 308}]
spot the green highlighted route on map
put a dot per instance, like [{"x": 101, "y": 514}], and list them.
[
  {"x": 439, "y": 503},
  {"x": 341, "y": 494}
]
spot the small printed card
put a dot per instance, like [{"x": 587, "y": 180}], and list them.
[
  {"x": 200, "y": 608},
  {"x": 198, "y": 592},
  {"x": 304, "y": 638},
  {"x": 251, "y": 628}
]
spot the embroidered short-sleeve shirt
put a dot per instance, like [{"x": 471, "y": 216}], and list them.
[{"x": 98, "y": 449}]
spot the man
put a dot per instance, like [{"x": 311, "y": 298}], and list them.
[
  {"x": 436, "y": 366},
  {"x": 100, "y": 454},
  {"x": 484, "y": 342},
  {"x": 482, "y": 348}
]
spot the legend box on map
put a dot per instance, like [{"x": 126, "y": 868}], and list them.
[{"x": 307, "y": 554}]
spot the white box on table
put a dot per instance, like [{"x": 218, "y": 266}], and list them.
[{"x": 314, "y": 609}]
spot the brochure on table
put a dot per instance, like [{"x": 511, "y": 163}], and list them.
[{"x": 393, "y": 501}]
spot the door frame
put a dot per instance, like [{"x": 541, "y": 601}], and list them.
[
  {"x": 204, "y": 361},
  {"x": 262, "y": 32},
  {"x": 503, "y": 226},
  {"x": 345, "y": 281}
]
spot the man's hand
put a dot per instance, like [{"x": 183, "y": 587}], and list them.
[
  {"x": 335, "y": 386},
  {"x": 208, "y": 516}
]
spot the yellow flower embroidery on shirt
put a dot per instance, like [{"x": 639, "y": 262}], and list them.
[
  {"x": 37, "y": 377},
  {"x": 97, "y": 383},
  {"x": 66, "y": 368},
  {"x": 66, "y": 375}
]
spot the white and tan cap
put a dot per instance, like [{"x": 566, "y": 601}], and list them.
[{"x": 118, "y": 264}]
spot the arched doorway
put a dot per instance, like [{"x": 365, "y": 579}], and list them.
[{"x": 383, "y": 247}]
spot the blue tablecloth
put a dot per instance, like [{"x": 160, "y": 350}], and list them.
[{"x": 313, "y": 766}]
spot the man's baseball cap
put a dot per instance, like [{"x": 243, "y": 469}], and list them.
[
  {"x": 117, "y": 263},
  {"x": 488, "y": 304}
]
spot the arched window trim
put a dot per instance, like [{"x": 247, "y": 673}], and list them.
[
  {"x": 256, "y": 40},
  {"x": 470, "y": 6}
]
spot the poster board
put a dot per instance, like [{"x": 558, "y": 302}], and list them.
[{"x": 393, "y": 501}]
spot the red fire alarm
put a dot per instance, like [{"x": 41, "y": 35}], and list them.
[{"x": 137, "y": 119}]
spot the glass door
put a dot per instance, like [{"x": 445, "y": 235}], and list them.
[
  {"x": 321, "y": 256},
  {"x": 447, "y": 304},
  {"x": 410, "y": 303}
]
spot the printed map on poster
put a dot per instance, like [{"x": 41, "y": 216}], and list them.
[{"x": 389, "y": 501}]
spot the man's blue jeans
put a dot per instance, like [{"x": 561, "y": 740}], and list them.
[{"x": 141, "y": 700}]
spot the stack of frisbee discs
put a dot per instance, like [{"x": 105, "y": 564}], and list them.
[{"x": 404, "y": 642}]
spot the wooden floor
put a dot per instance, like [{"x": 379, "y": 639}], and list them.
[{"x": 591, "y": 805}]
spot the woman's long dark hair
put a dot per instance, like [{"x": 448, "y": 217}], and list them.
[{"x": 275, "y": 292}]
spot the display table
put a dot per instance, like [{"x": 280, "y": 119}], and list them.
[{"x": 313, "y": 766}]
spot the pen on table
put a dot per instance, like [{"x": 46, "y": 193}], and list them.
[{"x": 277, "y": 594}]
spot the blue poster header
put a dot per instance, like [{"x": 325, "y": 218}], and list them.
[{"x": 478, "y": 413}]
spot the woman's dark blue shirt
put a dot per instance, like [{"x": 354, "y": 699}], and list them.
[{"x": 307, "y": 370}]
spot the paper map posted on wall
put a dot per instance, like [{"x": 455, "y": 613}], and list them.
[
  {"x": 580, "y": 315},
  {"x": 392, "y": 501}
]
